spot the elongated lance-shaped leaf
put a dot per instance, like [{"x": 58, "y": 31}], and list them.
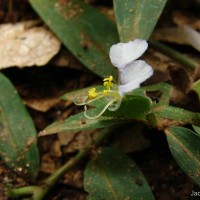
[
  {"x": 185, "y": 148},
  {"x": 86, "y": 32},
  {"x": 113, "y": 175},
  {"x": 80, "y": 122},
  {"x": 131, "y": 108},
  {"x": 18, "y": 135},
  {"x": 137, "y": 18},
  {"x": 181, "y": 116}
]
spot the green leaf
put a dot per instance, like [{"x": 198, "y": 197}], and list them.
[
  {"x": 18, "y": 146},
  {"x": 132, "y": 107},
  {"x": 113, "y": 175},
  {"x": 197, "y": 129},
  {"x": 80, "y": 122},
  {"x": 185, "y": 148},
  {"x": 137, "y": 19},
  {"x": 196, "y": 88},
  {"x": 86, "y": 32},
  {"x": 180, "y": 115}
]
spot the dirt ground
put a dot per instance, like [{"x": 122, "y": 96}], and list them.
[{"x": 40, "y": 89}]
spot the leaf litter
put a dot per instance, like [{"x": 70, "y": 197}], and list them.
[
  {"x": 25, "y": 44},
  {"x": 53, "y": 157}
]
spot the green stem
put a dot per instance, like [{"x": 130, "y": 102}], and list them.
[
  {"x": 50, "y": 181},
  {"x": 15, "y": 193},
  {"x": 183, "y": 59},
  {"x": 39, "y": 192}
]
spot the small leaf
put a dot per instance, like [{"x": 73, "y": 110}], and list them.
[
  {"x": 86, "y": 32},
  {"x": 113, "y": 175},
  {"x": 184, "y": 146},
  {"x": 137, "y": 19},
  {"x": 18, "y": 146},
  {"x": 80, "y": 122}
]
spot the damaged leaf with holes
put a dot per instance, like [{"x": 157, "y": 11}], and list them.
[{"x": 18, "y": 147}]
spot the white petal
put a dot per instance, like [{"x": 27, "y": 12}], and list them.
[
  {"x": 123, "y": 89},
  {"x": 133, "y": 75},
  {"x": 193, "y": 37},
  {"x": 136, "y": 71},
  {"x": 122, "y": 54}
]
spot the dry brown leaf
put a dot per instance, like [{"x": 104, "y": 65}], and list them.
[
  {"x": 24, "y": 44},
  {"x": 55, "y": 150},
  {"x": 184, "y": 33},
  {"x": 170, "y": 34},
  {"x": 42, "y": 105},
  {"x": 74, "y": 178},
  {"x": 75, "y": 140},
  {"x": 182, "y": 18},
  {"x": 48, "y": 164},
  {"x": 181, "y": 35}
]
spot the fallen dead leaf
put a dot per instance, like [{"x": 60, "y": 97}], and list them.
[
  {"x": 185, "y": 35},
  {"x": 74, "y": 141},
  {"x": 74, "y": 178},
  {"x": 182, "y": 18},
  {"x": 170, "y": 34},
  {"x": 48, "y": 164},
  {"x": 25, "y": 44},
  {"x": 42, "y": 105},
  {"x": 56, "y": 149}
]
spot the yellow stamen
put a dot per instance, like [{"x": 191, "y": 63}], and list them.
[
  {"x": 108, "y": 82},
  {"x": 92, "y": 93},
  {"x": 108, "y": 85},
  {"x": 109, "y": 79},
  {"x": 105, "y": 91}
]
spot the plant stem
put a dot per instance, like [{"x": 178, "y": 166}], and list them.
[
  {"x": 15, "y": 193},
  {"x": 183, "y": 59},
  {"x": 39, "y": 192}
]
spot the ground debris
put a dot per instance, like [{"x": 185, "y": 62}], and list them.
[{"x": 25, "y": 44}]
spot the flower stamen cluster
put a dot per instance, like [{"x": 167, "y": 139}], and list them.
[{"x": 107, "y": 82}]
